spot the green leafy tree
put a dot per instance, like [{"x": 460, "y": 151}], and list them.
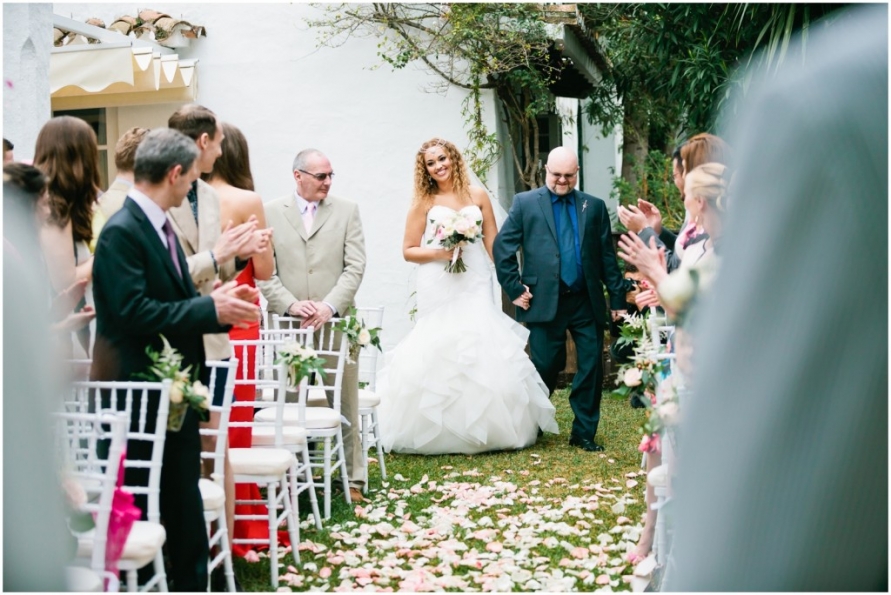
[
  {"x": 502, "y": 48},
  {"x": 673, "y": 67}
]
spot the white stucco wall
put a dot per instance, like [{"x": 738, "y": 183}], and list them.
[
  {"x": 26, "y": 53},
  {"x": 600, "y": 153},
  {"x": 260, "y": 69}
]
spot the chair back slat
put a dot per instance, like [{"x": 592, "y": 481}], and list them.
[
  {"x": 224, "y": 410},
  {"x": 133, "y": 399},
  {"x": 373, "y": 318}
]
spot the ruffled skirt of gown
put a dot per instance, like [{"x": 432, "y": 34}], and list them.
[{"x": 461, "y": 382}]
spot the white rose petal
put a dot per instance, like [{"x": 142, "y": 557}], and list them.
[
  {"x": 632, "y": 377},
  {"x": 176, "y": 393},
  {"x": 364, "y": 337}
]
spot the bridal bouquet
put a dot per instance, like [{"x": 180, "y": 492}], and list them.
[
  {"x": 456, "y": 232},
  {"x": 357, "y": 333},
  {"x": 184, "y": 392},
  {"x": 301, "y": 361}
]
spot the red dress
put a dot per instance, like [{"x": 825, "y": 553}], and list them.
[{"x": 241, "y": 437}]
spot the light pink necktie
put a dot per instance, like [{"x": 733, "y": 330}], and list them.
[{"x": 308, "y": 215}]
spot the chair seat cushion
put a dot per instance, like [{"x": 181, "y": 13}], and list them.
[
  {"x": 212, "y": 494},
  {"x": 142, "y": 544},
  {"x": 367, "y": 399},
  {"x": 316, "y": 417},
  {"x": 265, "y": 436},
  {"x": 260, "y": 461}
]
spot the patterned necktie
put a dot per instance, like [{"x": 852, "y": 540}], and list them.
[
  {"x": 309, "y": 215},
  {"x": 568, "y": 272},
  {"x": 193, "y": 200},
  {"x": 171, "y": 246}
]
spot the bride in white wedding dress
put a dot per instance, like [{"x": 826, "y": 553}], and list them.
[{"x": 460, "y": 381}]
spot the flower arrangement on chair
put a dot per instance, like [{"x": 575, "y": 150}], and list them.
[
  {"x": 185, "y": 391},
  {"x": 357, "y": 333},
  {"x": 302, "y": 362}
]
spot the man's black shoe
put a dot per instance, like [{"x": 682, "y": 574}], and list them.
[{"x": 584, "y": 444}]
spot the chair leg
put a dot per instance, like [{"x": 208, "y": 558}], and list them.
[
  {"x": 160, "y": 572},
  {"x": 379, "y": 442},
  {"x": 364, "y": 422},
  {"x": 272, "y": 508},
  {"x": 226, "y": 547},
  {"x": 132, "y": 581},
  {"x": 326, "y": 472},
  {"x": 343, "y": 468},
  {"x": 313, "y": 498},
  {"x": 293, "y": 517}
]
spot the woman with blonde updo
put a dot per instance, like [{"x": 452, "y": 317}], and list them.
[
  {"x": 460, "y": 382},
  {"x": 706, "y": 198}
]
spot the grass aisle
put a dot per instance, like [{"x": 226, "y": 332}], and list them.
[{"x": 547, "y": 518}]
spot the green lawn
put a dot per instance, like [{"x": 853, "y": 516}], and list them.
[{"x": 548, "y": 518}]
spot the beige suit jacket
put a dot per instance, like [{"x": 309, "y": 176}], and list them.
[
  {"x": 326, "y": 264},
  {"x": 197, "y": 240}
]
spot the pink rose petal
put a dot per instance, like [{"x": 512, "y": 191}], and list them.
[
  {"x": 603, "y": 579},
  {"x": 494, "y": 547},
  {"x": 251, "y": 556},
  {"x": 325, "y": 572}
]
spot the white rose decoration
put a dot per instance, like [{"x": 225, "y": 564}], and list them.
[
  {"x": 670, "y": 413},
  {"x": 176, "y": 392},
  {"x": 364, "y": 337},
  {"x": 677, "y": 290},
  {"x": 632, "y": 377},
  {"x": 202, "y": 391}
]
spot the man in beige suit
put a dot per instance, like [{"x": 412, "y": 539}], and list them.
[
  {"x": 210, "y": 252},
  {"x": 112, "y": 199},
  {"x": 319, "y": 252}
]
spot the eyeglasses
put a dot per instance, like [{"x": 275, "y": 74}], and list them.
[
  {"x": 319, "y": 177},
  {"x": 562, "y": 176}
]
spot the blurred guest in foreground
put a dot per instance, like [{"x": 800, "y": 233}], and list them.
[{"x": 792, "y": 494}]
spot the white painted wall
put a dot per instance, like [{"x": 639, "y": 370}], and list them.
[
  {"x": 259, "y": 68},
  {"x": 27, "y": 29},
  {"x": 598, "y": 154}
]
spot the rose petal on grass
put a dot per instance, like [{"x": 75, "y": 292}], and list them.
[
  {"x": 630, "y": 483},
  {"x": 251, "y": 556},
  {"x": 603, "y": 579}
]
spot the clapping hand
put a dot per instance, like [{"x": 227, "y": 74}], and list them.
[
  {"x": 648, "y": 259},
  {"x": 68, "y": 298},
  {"x": 234, "y": 304},
  {"x": 649, "y": 210},
  {"x": 632, "y": 218},
  {"x": 233, "y": 241}
]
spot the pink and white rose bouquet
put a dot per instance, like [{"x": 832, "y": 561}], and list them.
[{"x": 454, "y": 233}]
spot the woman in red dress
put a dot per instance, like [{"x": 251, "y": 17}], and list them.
[{"x": 231, "y": 178}]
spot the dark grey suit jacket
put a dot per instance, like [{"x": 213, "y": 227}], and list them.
[{"x": 530, "y": 227}]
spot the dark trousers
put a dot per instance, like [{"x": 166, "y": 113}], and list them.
[
  {"x": 182, "y": 509},
  {"x": 547, "y": 342}
]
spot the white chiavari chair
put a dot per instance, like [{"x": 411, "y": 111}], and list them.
[
  {"x": 213, "y": 491},
  {"x": 272, "y": 468},
  {"x": 78, "y": 438},
  {"x": 368, "y": 399},
  {"x": 146, "y": 539},
  {"x": 323, "y": 423}
]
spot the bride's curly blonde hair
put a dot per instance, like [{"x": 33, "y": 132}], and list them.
[{"x": 425, "y": 186}]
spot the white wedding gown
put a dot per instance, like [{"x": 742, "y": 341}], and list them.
[{"x": 460, "y": 381}]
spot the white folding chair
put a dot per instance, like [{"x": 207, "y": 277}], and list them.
[
  {"x": 322, "y": 423},
  {"x": 368, "y": 400},
  {"x": 271, "y": 468},
  {"x": 147, "y": 537},
  {"x": 213, "y": 492},
  {"x": 78, "y": 436}
]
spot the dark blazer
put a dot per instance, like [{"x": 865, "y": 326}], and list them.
[
  {"x": 139, "y": 296},
  {"x": 530, "y": 227}
]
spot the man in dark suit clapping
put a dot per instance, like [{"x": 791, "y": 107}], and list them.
[
  {"x": 568, "y": 256},
  {"x": 142, "y": 290}
]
